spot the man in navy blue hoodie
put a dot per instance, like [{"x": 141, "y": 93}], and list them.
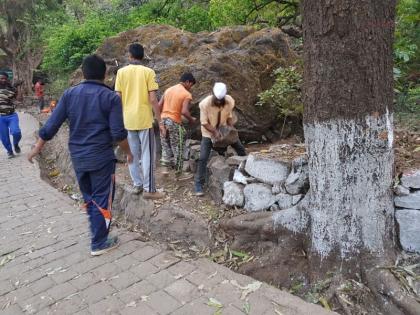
[{"x": 94, "y": 115}]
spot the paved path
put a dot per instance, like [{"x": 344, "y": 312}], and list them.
[{"x": 45, "y": 266}]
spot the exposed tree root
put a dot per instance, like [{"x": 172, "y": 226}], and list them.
[
  {"x": 386, "y": 287},
  {"x": 281, "y": 242}
]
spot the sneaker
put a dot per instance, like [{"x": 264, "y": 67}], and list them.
[
  {"x": 198, "y": 191},
  {"x": 17, "y": 149},
  {"x": 10, "y": 155},
  {"x": 153, "y": 195},
  {"x": 134, "y": 189},
  {"x": 182, "y": 177},
  {"x": 111, "y": 243}
]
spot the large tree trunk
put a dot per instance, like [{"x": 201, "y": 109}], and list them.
[
  {"x": 23, "y": 70},
  {"x": 348, "y": 124}
]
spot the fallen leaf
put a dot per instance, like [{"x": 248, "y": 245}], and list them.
[
  {"x": 54, "y": 173},
  {"x": 324, "y": 303},
  {"x": 214, "y": 303},
  {"x": 247, "y": 308},
  {"x": 252, "y": 287}
]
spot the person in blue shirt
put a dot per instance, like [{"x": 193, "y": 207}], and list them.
[{"x": 94, "y": 115}]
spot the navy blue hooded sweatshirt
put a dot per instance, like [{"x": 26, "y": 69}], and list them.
[{"x": 94, "y": 114}]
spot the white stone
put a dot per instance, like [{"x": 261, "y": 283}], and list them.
[
  {"x": 233, "y": 194},
  {"x": 278, "y": 188},
  {"x": 258, "y": 197},
  {"x": 412, "y": 201},
  {"x": 284, "y": 201},
  {"x": 411, "y": 179},
  {"x": 400, "y": 190},
  {"x": 240, "y": 178},
  {"x": 296, "y": 199},
  {"x": 409, "y": 223},
  {"x": 266, "y": 169}
]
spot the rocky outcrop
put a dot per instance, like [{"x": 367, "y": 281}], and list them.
[{"x": 242, "y": 57}]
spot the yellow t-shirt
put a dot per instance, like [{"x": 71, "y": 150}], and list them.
[
  {"x": 210, "y": 113},
  {"x": 173, "y": 99},
  {"x": 134, "y": 82}
]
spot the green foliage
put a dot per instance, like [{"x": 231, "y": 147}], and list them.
[
  {"x": 286, "y": 93},
  {"x": 186, "y": 15},
  {"x": 68, "y": 44},
  {"x": 407, "y": 36},
  {"x": 263, "y": 12},
  {"x": 407, "y": 63}
]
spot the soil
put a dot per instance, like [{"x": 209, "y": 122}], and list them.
[{"x": 279, "y": 262}]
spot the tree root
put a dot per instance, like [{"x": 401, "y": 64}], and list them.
[
  {"x": 384, "y": 285},
  {"x": 269, "y": 226}
]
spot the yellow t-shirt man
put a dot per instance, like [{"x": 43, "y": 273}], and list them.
[{"x": 134, "y": 82}]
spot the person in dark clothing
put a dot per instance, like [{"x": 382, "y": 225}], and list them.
[
  {"x": 9, "y": 120},
  {"x": 94, "y": 114}
]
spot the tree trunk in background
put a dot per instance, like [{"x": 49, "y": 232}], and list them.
[
  {"x": 348, "y": 124},
  {"x": 23, "y": 70}
]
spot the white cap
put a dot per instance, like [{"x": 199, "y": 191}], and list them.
[{"x": 219, "y": 90}]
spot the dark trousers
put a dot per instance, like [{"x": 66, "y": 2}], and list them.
[
  {"x": 9, "y": 124},
  {"x": 205, "y": 149},
  {"x": 41, "y": 103},
  {"x": 98, "y": 189}
]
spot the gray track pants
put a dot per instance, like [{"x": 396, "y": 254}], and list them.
[{"x": 143, "y": 147}]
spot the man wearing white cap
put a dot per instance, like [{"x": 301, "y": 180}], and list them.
[{"x": 215, "y": 110}]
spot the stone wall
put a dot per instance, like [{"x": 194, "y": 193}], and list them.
[
  {"x": 407, "y": 212},
  {"x": 273, "y": 179}
]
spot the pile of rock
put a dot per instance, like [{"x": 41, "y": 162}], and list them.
[
  {"x": 271, "y": 179},
  {"x": 407, "y": 212}
]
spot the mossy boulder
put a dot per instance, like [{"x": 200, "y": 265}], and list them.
[{"x": 242, "y": 57}]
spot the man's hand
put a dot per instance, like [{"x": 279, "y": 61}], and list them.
[
  {"x": 129, "y": 158},
  {"x": 162, "y": 130},
  {"x": 193, "y": 121},
  {"x": 31, "y": 155},
  {"x": 216, "y": 134},
  {"x": 36, "y": 150}
]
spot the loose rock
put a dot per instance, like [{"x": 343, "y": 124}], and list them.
[
  {"x": 258, "y": 197},
  {"x": 284, "y": 201},
  {"x": 411, "y": 180},
  {"x": 267, "y": 170},
  {"x": 233, "y": 194},
  {"x": 412, "y": 201},
  {"x": 240, "y": 178},
  {"x": 409, "y": 222},
  {"x": 401, "y": 191}
]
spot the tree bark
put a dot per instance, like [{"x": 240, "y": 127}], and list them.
[{"x": 348, "y": 124}]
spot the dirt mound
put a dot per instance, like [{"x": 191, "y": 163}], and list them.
[{"x": 241, "y": 56}]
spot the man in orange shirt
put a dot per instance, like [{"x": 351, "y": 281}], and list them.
[
  {"x": 175, "y": 104},
  {"x": 39, "y": 93}
]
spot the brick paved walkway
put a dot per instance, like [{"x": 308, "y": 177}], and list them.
[{"x": 45, "y": 266}]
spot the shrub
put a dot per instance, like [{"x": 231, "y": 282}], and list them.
[{"x": 285, "y": 96}]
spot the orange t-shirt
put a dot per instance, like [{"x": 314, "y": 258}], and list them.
[{"x": 173, "y": 99}]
